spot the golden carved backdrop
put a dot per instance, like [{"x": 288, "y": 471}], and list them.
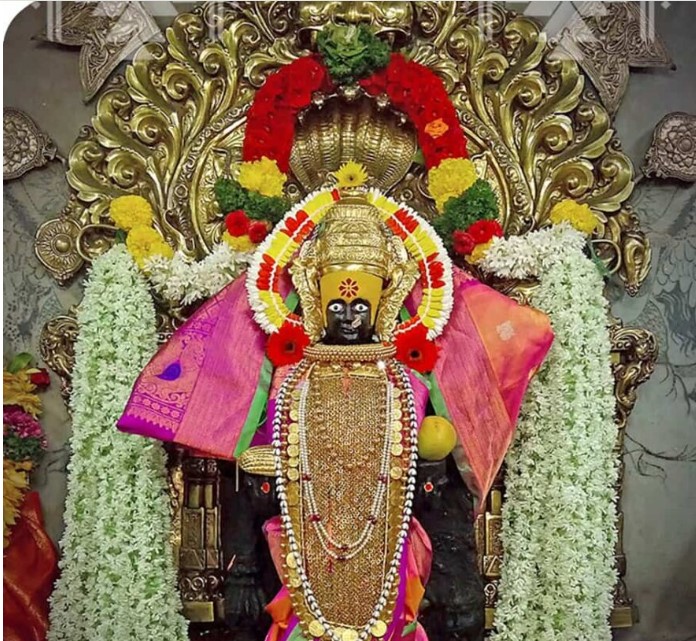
[{"x": 175, "y": 122}]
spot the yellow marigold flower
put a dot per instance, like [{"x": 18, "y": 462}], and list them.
[
  {"x": 144, "y": 242},
  {"x": 15, "y": 482},
  {"x": 479, "y": 251},
  {"x": 239, "y": 243},
  {"x": 262, "y": 176},
  {"x": 130, "y": 211},
  {"x": 452, "y": 177},
  {"x": 350, "y": 174},
  {"x": 17, "y": 389},
  {"x": 580, "y": 216}
]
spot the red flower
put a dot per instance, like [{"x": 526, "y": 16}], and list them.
[
  {"x": 258, "y": 230},
  {"x": 40, "y": 378},
  {"x": 415, "y": 350},
  {"x": 434, "y": 268},
  {"x": 463, "y": 243},
  {"x": 287, "y": 345},
  {"x": 483, "y": 230},
  {"x": 237, "y": 223},
  {"x": 304, "y": 77}
]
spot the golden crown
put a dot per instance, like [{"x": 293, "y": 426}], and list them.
[{"x": 353, "y": 238}]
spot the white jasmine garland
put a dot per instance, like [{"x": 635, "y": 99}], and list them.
[
  {"x": 559, "y": 518},
  {"x": 186, "y": 281},
  {"x": 118, "y": 580}
]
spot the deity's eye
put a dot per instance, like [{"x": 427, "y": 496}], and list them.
[
  {"x": 335, "y": 307},
  {"x": 361, "y": 308}
]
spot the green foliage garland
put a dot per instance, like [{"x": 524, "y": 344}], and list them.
[
  {"x": 352, "y": 52},
  {"x": 232, "y": 196},
  {"x": 479, "y": 202}
]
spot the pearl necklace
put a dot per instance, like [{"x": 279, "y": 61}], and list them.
[
  {"x": 327, "y": 542},
  {"x": 398, "y": 370}
]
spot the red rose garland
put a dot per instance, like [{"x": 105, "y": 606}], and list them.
[
  {"x": 421, "y": 95},
  {"x": 271, "y": 119}
]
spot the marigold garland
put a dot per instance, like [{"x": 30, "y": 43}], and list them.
[
  {"x": 19, "y": 390},
  {"x": 579, "y": 215},
  {"x": 452, "y": 177},
  {"x": 23, "y": 439},
  {"x": 262, "y": 176},
  {"x": 145, "y": 242},
  {"x": 15, "y": 483},
  {"x": 411, "y": 87},
  {"x": 130, "y": 211},
  {"x": 241, "y": 243}
]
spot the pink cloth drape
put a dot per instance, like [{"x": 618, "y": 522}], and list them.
[
  {"x": 489, "y": 351},
  {"x": 198, "y": 389}
]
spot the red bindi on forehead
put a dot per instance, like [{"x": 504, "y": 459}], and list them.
[{"x": 348, "y": 288}]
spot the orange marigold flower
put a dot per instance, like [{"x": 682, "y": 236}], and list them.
[{"x": 436, "y": 128}]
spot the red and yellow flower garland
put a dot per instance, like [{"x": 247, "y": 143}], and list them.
[{"x": 411, "y": 87}]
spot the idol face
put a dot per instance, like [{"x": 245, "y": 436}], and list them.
[{"x": 348, "y": 323}]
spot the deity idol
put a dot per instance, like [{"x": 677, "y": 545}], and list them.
[{"x": 378, "y": 299}]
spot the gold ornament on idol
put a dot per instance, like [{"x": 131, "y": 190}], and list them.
[{"x": 353, "y": 255}]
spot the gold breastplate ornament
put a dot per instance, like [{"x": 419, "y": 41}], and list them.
[{"x": 345, "y": 451}]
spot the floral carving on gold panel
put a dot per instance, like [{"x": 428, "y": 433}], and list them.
[
  {"x": 672, "y": 153},
  {"x": 608, "y": 39},
  {"x": 176, "y": 120}
]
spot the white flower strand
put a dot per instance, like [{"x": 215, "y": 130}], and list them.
[
  {"x": 559, "y": 515},
  {"x": 186, "y": 281},
  {"x": 118, "y": 579}
]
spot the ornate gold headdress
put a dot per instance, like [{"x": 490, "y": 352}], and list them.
[
  {"x": 347, "y": 243},
  {"x": 353, "y": 255}
]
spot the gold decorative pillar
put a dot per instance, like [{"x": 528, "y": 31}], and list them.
[
  {"x": 200, "y": 551},
  {"x": 633, "y": 361}
]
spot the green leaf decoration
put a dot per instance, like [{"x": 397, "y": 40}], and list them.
[
  {"x": 16, "y": 448},
  {"x": 479, "y": 202},
  {"x": 418, "y": 157},
  {"x": 352, "y": 52},
  {"x": 232, "y": 196},
  {"x": 120, "y": 236},
  {"x": 599, "y": 264},
  {"x": 19, "y": 362}
]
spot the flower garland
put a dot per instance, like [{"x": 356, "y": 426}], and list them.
[
  {"x": 184, "y": 280},
  {"x": 23, "y": 439},
  {"x": 419, "y": 238},
  {"x": 118, "y": 579},
  {"x": 347, "y": 55},
  {"x": 559, "y": 516}
]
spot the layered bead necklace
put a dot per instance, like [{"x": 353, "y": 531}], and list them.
[
  {"x": 327, "y": 542},
  {"x": 320, "y": 627}
]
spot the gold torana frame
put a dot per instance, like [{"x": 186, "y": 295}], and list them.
[{"x": 175, "y": 122}]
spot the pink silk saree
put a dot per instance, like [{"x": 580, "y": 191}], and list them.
[{"x": 208, "y": 387}]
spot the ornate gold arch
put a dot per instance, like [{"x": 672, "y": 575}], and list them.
[{"x": 169, "y": 127}]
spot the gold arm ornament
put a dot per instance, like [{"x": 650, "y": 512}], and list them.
[{"x": 258, "y": 460}]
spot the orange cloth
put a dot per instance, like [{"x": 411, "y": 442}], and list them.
[{"x": 30, "y": 568}]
